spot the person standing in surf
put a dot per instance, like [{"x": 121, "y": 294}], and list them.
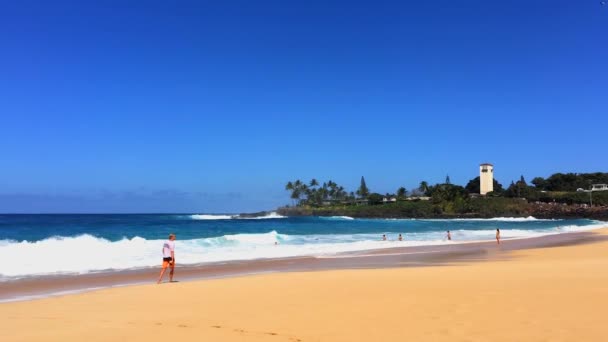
[
  {"x": 449, "y": 236},
  {"x": 497, "y": 236},
  {"x": 168, "y": 258}
]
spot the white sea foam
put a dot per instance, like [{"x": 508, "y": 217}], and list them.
[
  {"x": 211, "y": 217},
  {"x": 510, "y": 219},
  {"x": 338, "y": 218},
  {"x": 86, "y": 253},
  {"x": 271, "y": 215},
  {"x": 492, "y": 219},
  {"x": 497, "y": 219}
]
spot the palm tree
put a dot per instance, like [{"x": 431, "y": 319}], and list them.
[
  {"x": 314, "y": 182},
  {"x": 341, "y": 193},
  {"x": 289, "y": 187},
  {"x": 297, "y": 186},
  {"x": 324, "y": 191},
  {"x": 351, "y": 196},
  {"x": 401, "y": 192},
  {"x": 332, "y": 189},
  {"x": 424, "y": 187},
  {"x": 295, "y": 195}
]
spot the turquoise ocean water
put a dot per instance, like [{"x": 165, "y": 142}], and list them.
[{"x": 72, "y": 244}]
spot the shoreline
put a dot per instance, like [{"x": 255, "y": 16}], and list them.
[
  {"x": 38, "y": 287},
  {"x": 534, "y": 294},
  {"x": 414, "y": 210}
]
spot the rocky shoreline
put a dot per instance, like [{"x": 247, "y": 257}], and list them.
[{"x": 538, "y": 210}]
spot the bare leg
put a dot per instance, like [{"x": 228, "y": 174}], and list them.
[
  {"x": 162, "y": 272},
  {"x": 171, "y": 274}
]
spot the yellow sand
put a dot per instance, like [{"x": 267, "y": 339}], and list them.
[{"x": 551, "y": 294}]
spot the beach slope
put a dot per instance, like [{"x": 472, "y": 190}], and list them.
[{"x": 545, "y": 294}]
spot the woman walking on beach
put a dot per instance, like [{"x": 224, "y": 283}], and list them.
[
  {"x": 498, "y": 236},
  {"x": 168, "y": 258}
]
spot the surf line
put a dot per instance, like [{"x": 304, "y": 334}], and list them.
[{"x": 371, "y": 255}]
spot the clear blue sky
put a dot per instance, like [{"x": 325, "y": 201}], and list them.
[{"x": 174, "y": 106}]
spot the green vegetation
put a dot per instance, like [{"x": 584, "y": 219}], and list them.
[
  {"x": 363, "y": 191},
  {"x": 561, "y": 188},
  {"x": 570, "y": 181},
  {"x": 554, "y": 196},
  {"x": 473, "y": 187},
  {"x": 315, "y": 195}
]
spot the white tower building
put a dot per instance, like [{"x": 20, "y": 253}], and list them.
[{"x": 486, "y": 178}]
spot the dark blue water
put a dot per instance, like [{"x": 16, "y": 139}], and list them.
[{"x": 158, "y": 226}]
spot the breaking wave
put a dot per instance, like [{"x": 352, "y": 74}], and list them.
[
  {"x": 87, "y": 253},
  {"x": 271, "y": 215}
]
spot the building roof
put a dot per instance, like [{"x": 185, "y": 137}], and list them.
[{"x": 485, "y": 164}]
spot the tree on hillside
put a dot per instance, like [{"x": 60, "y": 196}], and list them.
[
  {"x": 447, "y": 192},
  {"x": 401, "y": 193},
  {"x": 289, "y": 187},
  {"x": 363, "y": 191},
  {"x": 511, "y": 190},
  {"x": 375, "y": 198},
  {"x": 341, "y": 193},
  {"x": 519, "y": 189},
  {"x": 540, "y": 183},
  {"x": 447, "y": 179},
  {"x": 473, "y": 186},
  {"x": 333, "y": 189},
  {"x": 424, "y": 187},
  {"x": 522, "y": 187},
  {"x": 297, "y": 189},
  {"x": 573, "y": 181}
]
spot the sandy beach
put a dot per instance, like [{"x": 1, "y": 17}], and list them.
[{"x": 541, "y": 294}]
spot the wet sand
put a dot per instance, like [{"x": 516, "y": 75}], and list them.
[{"x": 40, "y": 287}]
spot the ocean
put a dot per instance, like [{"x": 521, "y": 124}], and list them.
[{"x": 37, "y": 245}]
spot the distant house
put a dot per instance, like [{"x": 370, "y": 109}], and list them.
[
  {"x": 361, "y": 201},
  {"x": 389, "y": 199},
  {"x": 329, "y": 202},
  {"x": 418, "y": 198},
  {"x": 599, "y": 187}
]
